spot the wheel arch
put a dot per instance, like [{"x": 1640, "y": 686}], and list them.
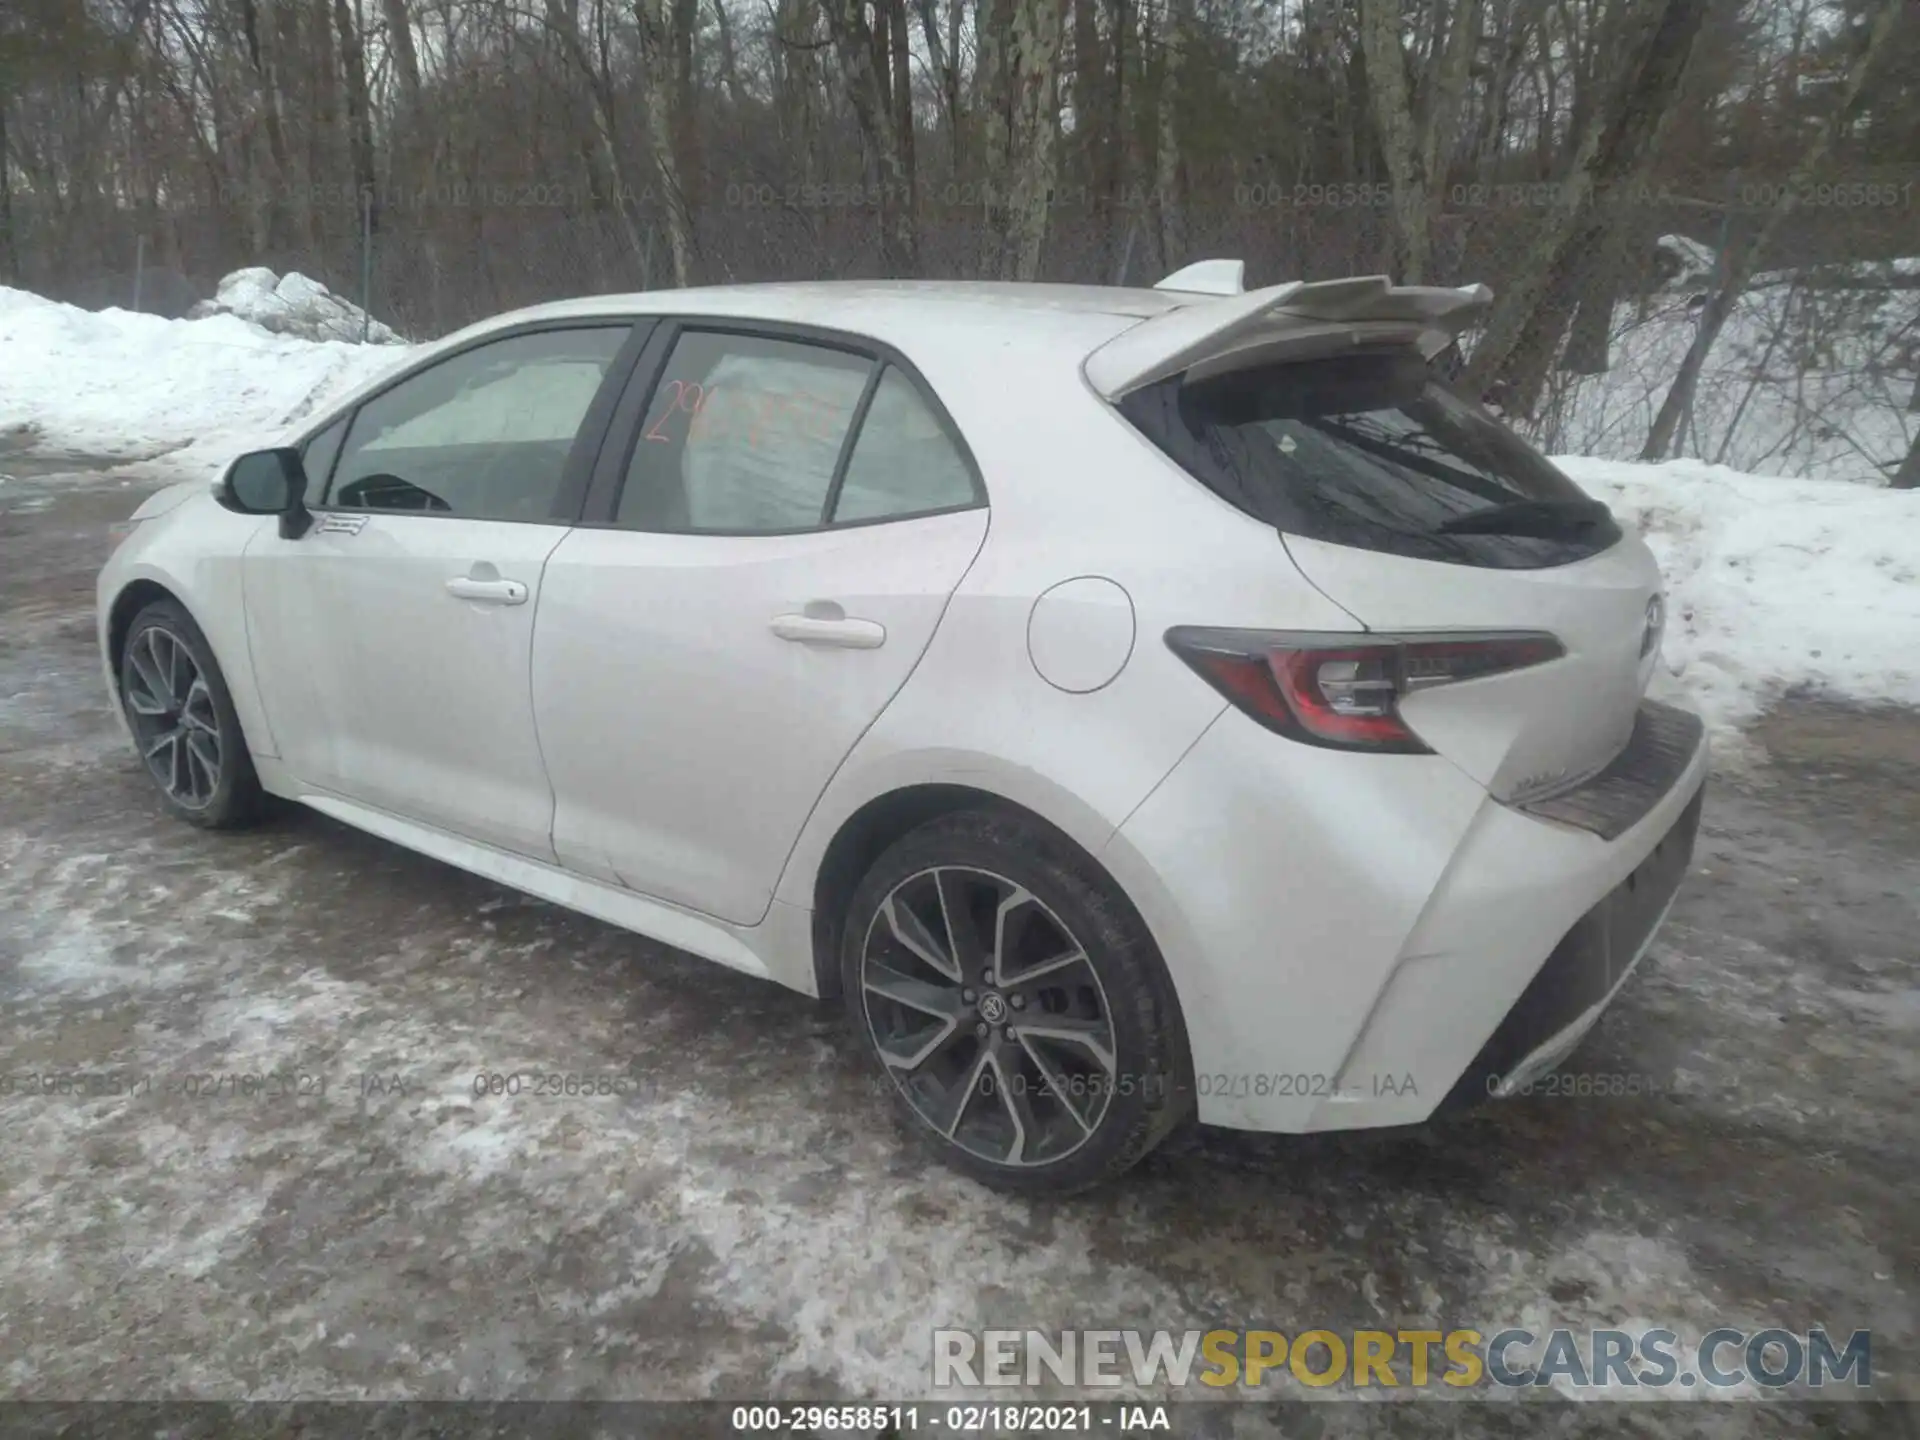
[
  {"x": 132, "y": 598},
  {"x": 870, "y": 829},
  {"x": 143, "y": 583},
  {"x": 861, "y": 839}
]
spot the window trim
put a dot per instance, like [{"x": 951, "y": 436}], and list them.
[
  {"x": 623, "y": 435},
  {"x": 575, "y": 474},
  {"x": 345, "y": 421}
]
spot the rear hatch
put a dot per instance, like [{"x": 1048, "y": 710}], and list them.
[{"x": 1416, "y": 512}]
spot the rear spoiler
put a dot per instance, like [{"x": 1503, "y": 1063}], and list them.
[{"x": 1181, "y": 338}]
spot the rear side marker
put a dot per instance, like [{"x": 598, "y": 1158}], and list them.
[{"x": 1343, "y": 692}]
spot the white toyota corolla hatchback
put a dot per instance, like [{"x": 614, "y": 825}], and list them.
[{"x": 1132, "y": 702}]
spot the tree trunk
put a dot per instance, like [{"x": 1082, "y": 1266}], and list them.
[
  {"x": 878, "y": 103},
  {"x": 688, "y": 149},
  {"x": 1089, "y": 123},
  {"x": 323, "y": 135},
  {"x": 902, "y": 205},
  {"x": 1038, "y": 28},
  {"x": 1586, "y": 352},
  {"x": 1447, "y": 90},
  {"x": 406, "y": 59},
  {"x": 601, "y": 153},
  {"x": 1400, "y": 142},
  {"x": 270, "y": 122},
  {"x": 1605, "y": 159},
  {"x": 359, "y": 116},
  {"x": 657, "y": 52},
  {"x": 1175, "y": 39},
  {"x": 1738, "y": 261},
  {"x": 1113, "y": 177},
  {"x": 943, "y": 57},
  {"x": 729, "y": 62},
  {"x": 1907, "y": 477},
  {"x": 9, "y": 250},
  {"x": 993, "y": 89}
]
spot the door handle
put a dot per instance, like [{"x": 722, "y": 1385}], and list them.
[
  {"x": 844, "y": 633},
  {"x": 487, "y": 592}
]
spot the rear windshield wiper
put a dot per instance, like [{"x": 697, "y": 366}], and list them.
[{"x": 1548, "y": 519}]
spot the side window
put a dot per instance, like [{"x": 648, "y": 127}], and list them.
[
  {"x": 904, "y": 462},
  {"x": 318, "y": 457},
  {"x": 483, "y": 435},
  {"x": 743, "y": 436}
]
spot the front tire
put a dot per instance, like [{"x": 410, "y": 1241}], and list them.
[
  {"x": 1016, "y": 1004},
  {"x": 183, "y": 722}
]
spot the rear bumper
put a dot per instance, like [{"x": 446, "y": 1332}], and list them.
[
  {"x": 1582, "y": 975},
  {"x": 1358, "y": 941}
]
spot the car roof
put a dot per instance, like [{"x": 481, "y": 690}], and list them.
[
  {"x": 953, "y": 330},
  {"x": 825, "y": 301},
  {"x": 935, "y": 323}
]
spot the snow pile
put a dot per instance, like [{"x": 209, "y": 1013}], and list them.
[
  {"x": 1683, "y": 263},
  {"x": 114, "y": 383},
  {"x": 293, "y": 305},
  {"x": 1774, "y": 584}
]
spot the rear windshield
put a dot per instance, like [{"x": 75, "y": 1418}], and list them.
[{"x": 1370, "y": 449}]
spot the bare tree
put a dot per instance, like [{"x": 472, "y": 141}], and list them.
[
  {"x": 359, "y": 111},
  {"x": 534, "y": 148},
  {"x": 1741, "y": 259},
  {"x": 1176, "y": 41},
  {"x": 660, "y": 44},
  {"x": 1021, "y": 100},
  {"x": 879, "y": 88},
  {"x": 1514, "y": 346}
]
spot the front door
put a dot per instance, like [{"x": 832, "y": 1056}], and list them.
[
  {"x": 788, "y": 530},
  {"x": 393, "y": 640}
]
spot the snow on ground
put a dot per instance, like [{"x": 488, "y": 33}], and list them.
[
  {"x": 116, "y": 383},
  {"x": 1773, "y": 582}
]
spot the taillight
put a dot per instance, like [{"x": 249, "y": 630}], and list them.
[{"x": 1344, "y": 691}]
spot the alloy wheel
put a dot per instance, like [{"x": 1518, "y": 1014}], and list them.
[
  {"x": 988, "y": 1015},
  {"x": 172, "y": 713}
]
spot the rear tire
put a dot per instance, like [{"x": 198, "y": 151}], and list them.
[
  {"x": 1015, "y": 1003},
  {"x": 184, "y": 726}
]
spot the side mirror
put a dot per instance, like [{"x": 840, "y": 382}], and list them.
[{"x": 269, "y": 482}]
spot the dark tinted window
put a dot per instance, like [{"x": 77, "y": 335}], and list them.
[
  {"x": 1371, "y": 450},
  {"x": 483, "y": 435},
  {"x": 743, "y": 436}
]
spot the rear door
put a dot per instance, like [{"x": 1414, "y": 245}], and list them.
[
  {"x": 1416, "y": 511},
  {"x": 393, "y": 640},
  {"x": 777, "y": 523}
]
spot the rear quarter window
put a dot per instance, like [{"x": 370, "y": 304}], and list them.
[{"x": 1372, "y": 450}]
